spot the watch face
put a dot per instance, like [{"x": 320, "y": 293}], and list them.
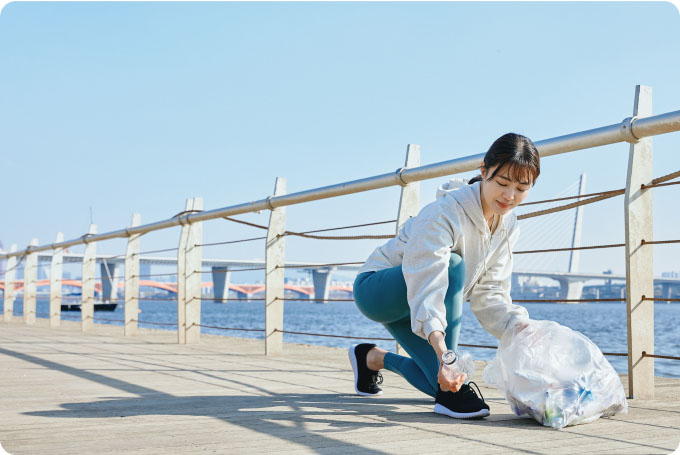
[{"x": 449, "y": 357}]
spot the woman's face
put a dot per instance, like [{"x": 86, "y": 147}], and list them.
[{"x": 502, "y": 193}]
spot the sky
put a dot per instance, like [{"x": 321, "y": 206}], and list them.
[{"x": 107, "y": 109}]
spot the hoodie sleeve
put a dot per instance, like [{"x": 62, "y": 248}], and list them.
[
  {"x": 425, "y": 266},
  {"x": 490, "y": 299}
]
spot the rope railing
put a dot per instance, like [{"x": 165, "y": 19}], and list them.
[
  {"x": 658, "y": 242},
  {"x": 657, "y": 356},
  {"x": 566, "y": 300},
  {"x": 607, "y": 195},
  {"x": 585, "y": 199},
  {"x": 309, "y": 266},
  {"x": 155, "y": 251},
  {"x": 234, "y": 270},
  {"x": 659, "y": 299},
  {"x": 173, "y": 324},
  {"x": 233, "y": 241},
  {"x": 233, "y": 299},
  {"x": 226, "y": 328},
  {"x": 309, "y": 234},
  {"x": 551, "y": 250}
]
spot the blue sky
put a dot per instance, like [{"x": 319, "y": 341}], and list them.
[{"x": 133, "y": 107}]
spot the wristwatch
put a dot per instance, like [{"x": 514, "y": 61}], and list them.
[{"x": 449, "y": 357}]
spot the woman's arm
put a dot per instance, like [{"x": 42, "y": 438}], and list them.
[
  {"x": 446, "y": 382},
  {"x": 425, "y": 266},
  {"x": 490, "y": 299}
]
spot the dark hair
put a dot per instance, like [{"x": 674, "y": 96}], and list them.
[{"x": 515, "y": 151}]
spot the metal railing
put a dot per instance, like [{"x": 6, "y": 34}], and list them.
[{"x": 636, "y": 130}]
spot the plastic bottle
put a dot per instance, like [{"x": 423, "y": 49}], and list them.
[{"x": 455, "y": 363}]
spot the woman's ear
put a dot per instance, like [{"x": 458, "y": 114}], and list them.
[{"x": 482, "y": 170}]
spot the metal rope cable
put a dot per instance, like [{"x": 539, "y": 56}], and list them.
[
  {"x": 333, "y": 336},
  {"x": 151, "y": 299},
  {"x": 560, "y": 208},
  {"x": 318, "y": 265},
  {"x": 659, "y": 299},
  {"x": 233, "y": 270},
  {"x": 226, "y": 328},
  {"x": 236, "y": 299},
  {"x": 546, "y": 238},
  {"x": 657, "y": 356},
  {"x": 314, "y": 300},
  {"x": 664, "y": 178},
  {"x": 658, "y": 242},
  {"x": 660, "y": 184},
  {"x": 233, "y": 241},
  {"x": 654, "y": 183},
  {"x": 599, "y": 193},
  {"x": 155, "y": 323},
  {"x": 14, "y": 267},
  {"x": 155, "y": 274},
  {"x": 108, "y": 320},
  {"x": 156, "y": 251},
  {"x": 308, "y": 235},
  {"x": 550, "y": 250},
  {"x": 392, "y": 339},
  {"x": 566, "y": 300}
]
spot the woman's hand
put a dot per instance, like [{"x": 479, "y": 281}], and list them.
[{"x": 449, "y": 381}]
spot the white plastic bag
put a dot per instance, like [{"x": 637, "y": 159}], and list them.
[{"x": 555, "y": 375}]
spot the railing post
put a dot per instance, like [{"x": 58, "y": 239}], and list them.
[
  {"x": 10, "y": 278},
  {"x": 131, "y": 303},
  {"x": 88, "y": 282},
  {"x": 639, "y": 217},
  {"x": 275, "y": 252},
  {"x": 56, "y": 269},
  {"x": 194, "y": 264},
  {"x": 189, "y": 263},
  {"x": 30, "y": 285},
  {"x": 409, "y": 201}
]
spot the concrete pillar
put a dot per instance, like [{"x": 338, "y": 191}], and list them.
[
  {"x": 189, "y": 263},
  {"x": 221, "y": 277},
  {"x": 639, "y": 216},
  {"x": 131, "y": 305},
  {"x": 30, "y": 284},
  {"x": 10, "y": 278},
  {"x": 88, "y": 280},
  {"x": 570, "y": 289},
  {"x": 321, "y": 279},
  {"x": 109, "y": 282},
  {"x": 275, "y": 253},
  {"x": 56, "y": 269}
]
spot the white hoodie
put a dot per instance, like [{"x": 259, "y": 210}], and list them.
[{"x": 454, "y": 223}]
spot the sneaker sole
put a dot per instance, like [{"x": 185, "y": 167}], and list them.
[
  {"x": 355, "y": 369},
  {"x": 443, "y": 410}
]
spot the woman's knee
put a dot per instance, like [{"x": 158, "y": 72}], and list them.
[{"x": 379, "y": 297}]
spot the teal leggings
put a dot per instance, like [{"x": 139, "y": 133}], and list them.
[{"x": 381, "y": 297}]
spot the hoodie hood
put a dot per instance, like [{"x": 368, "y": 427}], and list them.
[{"x": 469, "y": 198}]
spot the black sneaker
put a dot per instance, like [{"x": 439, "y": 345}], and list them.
[
  {"x": 464, "y": 404},
  {"x": 365, "y": 380}
]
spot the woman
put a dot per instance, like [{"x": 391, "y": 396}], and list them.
[{"x": 458, "y": 248}]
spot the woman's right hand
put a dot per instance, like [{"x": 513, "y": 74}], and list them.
[{"x": 450, "y": 381}]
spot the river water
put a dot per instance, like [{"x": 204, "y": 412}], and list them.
[{"x": 605, "y": 324}]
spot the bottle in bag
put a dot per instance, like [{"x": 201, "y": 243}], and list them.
[{"x": 454, "y": 363}]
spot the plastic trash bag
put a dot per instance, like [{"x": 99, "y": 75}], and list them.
[{"x": 555, "y": 375}]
